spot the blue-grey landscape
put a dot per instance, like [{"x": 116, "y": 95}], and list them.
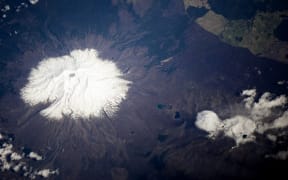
[{"x": 143, "y": 89}]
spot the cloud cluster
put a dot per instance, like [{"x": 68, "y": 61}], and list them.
[
  {"x": 243, "y": 128},
  {"x": 7, "y": 9},
  {"x": 78, "y": 85},
  {"x": 263, "y": 108},
  {"x": 11, "y": 160},
  {"x": 239, "y": 128}
]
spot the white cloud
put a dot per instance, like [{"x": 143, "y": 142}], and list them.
[
  {"x": 47, "y": 172},
  {"x": 79, "y": 85},
  {"x": 272, "y": 137},
  {"x": 281, "y": 155},
  {"x": 209, "y": 121},
  {"x": 18, "y": 166},
  {"x": 5, "y": 8},
  {"x": 281, "y": 122},
  {"x": 250, "y": 97},
  {"x": 35, "y": 156},
  {"x": 33, "y": 1},
  {"x": 15, "y": 156},
  {"x": 282, "y": 82},
  {"x": 242, "y": 128}
]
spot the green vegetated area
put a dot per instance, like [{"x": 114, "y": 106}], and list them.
[
  {"x": 254, "y": 30},
  {"x": 257, "y": 35}
]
